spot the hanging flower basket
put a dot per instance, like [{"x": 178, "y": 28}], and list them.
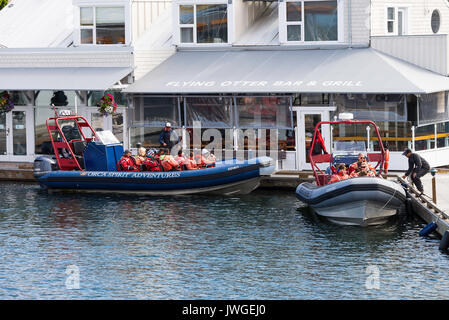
[
  {"x": 6, "y": 104},
  {"x": 107, "y": 105}
]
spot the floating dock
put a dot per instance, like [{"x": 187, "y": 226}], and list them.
[{"x": 425, "y": 208}]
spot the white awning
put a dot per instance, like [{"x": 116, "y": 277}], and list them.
[
  {"x": 288, "y": 71},
  {"x": 61, "y": 78}
]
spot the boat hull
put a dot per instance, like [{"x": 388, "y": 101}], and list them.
[
  {"x": 227, "y": 178},
  {"x": 358, "y": 201}
]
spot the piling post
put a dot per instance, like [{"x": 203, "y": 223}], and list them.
[{"x": 434, "y": 185}]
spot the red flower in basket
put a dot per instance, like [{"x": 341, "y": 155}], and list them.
[{"x": 107, "y": 105}]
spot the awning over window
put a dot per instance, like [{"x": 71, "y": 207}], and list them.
[
  {"x": 288, "y": 71},
  {"x": 98, "y": 78}
]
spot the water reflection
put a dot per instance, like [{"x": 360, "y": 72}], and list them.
[{"x": 265, "y": 245}]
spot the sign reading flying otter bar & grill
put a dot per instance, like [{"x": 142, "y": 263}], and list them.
[{"x": 279, "y": 83}]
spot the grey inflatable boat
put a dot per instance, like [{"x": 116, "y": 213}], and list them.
[{"x": 360, "y": 201}]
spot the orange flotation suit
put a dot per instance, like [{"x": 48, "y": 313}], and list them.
[{"x": 169, "y": 163}]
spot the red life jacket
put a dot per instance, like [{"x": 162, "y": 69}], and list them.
[
  {"x": 152, "y": 165},
  {"x": 127, "y": 164}
]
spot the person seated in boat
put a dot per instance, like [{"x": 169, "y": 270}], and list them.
[
  {"x": 169, "y": 163},
  {"x": 141, "y": 156},
  {"x": 152, "y": 163},
  {"x": 353, "y": 167},
  {"x": 127, "y": 162},
  {"x": 205, "y": 159},
  {"x": 185, "y": 162},
  {"x": 340, "y": 175},
  {"x": 363, "y": 170}
]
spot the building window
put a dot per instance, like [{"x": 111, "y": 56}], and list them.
[
  {"x": 391, "y": 17},
  {"x": 203, "y": 23},
  {"x": 294, "y": 21},
  {"x": 436, "y": 21},
  {"x": 102, "y": 25},
  {"x": 312, "y": 20}
]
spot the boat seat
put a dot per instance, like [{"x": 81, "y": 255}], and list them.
[{"x": 78, "y": 147}]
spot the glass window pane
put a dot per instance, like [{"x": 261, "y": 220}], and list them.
[
  {"x": 435, "y": 22},
  {"x": 19, "y": 135},
  {"x": 443, "y": 135},
  {"x": 375, "y": 107},
  {"x": 95, "y": 96},
  {"x": 390, "y": 26},
  {"x": 264, "y": 112},
  {"x": 61, "y": 99},
  {"x": 433, "y": 108},
  {"x": 186, "y": 15},
  {"x": 294, "y": 11},
  {"x": 294, "y": 33},
  {"x": 42, "y": 144},
  {"x": 3, "y": 134},
  {"x": 390, "y": 13},
  {"x": 155, "y": 111},
  {"x": 212, "y": 112},
  {"x": 212, "y": 23},
  {"x": 110, "y": 25},
  {"x": 87, "y": 36},
  {"x": 186, "y": 35},
  {"x": 321, "y": 20},
  {"x": 87, "y": 16},
  {"x": 117, "y": 126},
  {"x": 149, "y": 137}
]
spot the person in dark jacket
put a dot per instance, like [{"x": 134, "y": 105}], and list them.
[
  {"x": 167, "y": 137},
  {"x": 417, "y": 167}
]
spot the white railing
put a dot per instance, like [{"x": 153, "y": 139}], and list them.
[{"x": 144, "y": 12}]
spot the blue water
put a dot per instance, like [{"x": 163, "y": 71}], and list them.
[{"x": 259, "y": 246}]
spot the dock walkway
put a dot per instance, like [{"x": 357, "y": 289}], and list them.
[{"x": 424, "y": 207}]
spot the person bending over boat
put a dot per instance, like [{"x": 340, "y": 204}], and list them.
[
  {"x": 417, "y": 167},
  {"x": 185, "y": 162},
  {"x": 127, "y": 162},
  {"x": 340, "y": 175}
]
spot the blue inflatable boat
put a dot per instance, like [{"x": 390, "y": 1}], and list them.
[
  {"x": 85, "y": 160},
  {"x": 227, "y": 177}
]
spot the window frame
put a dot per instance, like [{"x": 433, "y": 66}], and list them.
[
  {"x": 283, "y": 23},
  {"x": 405, "y": 20},
  {"x": 295, "y": 23},
  {"x": 178, "y": 25},
  {"x": 93, "y": 27}
]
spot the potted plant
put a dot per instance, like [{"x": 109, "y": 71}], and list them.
[
  {"x": 107, "y": 105},
  {"x": 6, "y": 104}
]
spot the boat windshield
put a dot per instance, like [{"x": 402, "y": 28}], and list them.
[
  {"x": 106, "y": 137},
  {"x": 350, "y": 146}
]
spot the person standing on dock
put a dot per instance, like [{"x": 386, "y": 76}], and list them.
[{"x": 417, "y": 167}]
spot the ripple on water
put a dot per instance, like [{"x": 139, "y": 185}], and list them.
[{"x": 265, "y": 245}]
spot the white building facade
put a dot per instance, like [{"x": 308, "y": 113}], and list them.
[{"x": 272, "y": 66}]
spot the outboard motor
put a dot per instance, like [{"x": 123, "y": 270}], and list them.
[{"x": 44, "y": 165}]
